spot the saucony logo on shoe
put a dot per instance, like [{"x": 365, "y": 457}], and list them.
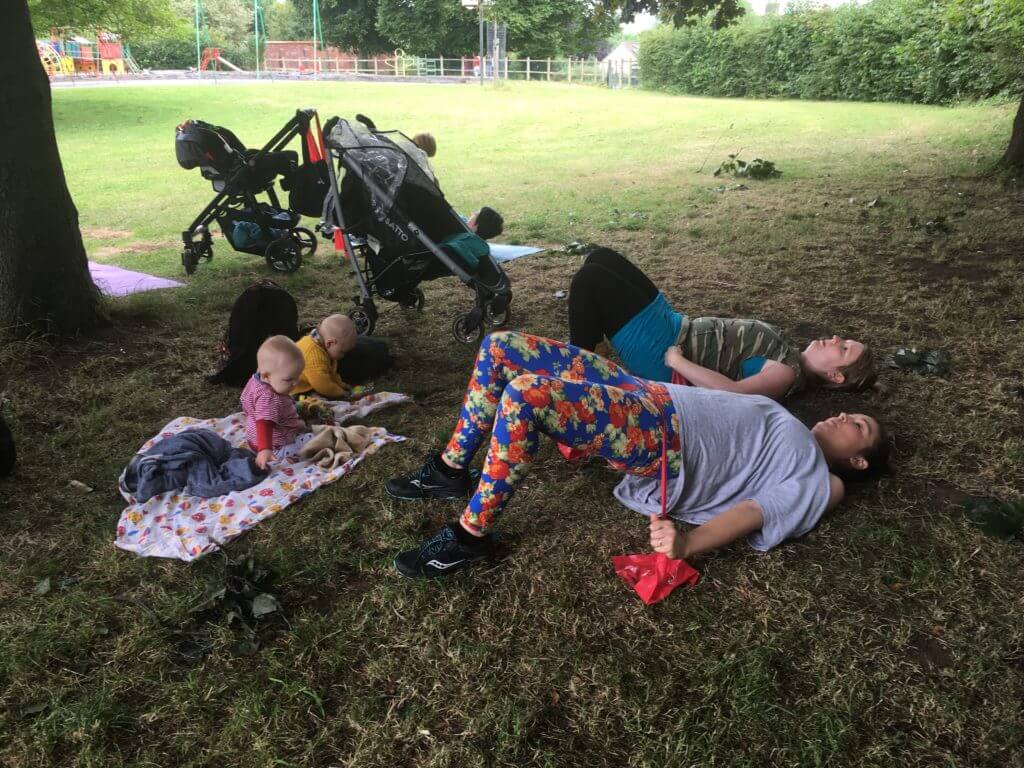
[
  {"x": 424, "y": 486},
  {"x": 443, "y": 566}
]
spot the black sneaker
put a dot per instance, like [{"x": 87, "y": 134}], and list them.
[
  {"x": 432, "y": 482},
  {"x": 448, "y": 551}
]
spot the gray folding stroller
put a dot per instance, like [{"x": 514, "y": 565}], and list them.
[{"x": 387, "y": 212}]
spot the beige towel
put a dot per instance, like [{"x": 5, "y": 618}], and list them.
[{"x": 331, "y": 446}]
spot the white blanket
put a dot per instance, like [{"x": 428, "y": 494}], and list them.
[{"x": 188, "y": 527}]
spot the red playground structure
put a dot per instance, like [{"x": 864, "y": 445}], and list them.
[{"x": 212, "y": 56}]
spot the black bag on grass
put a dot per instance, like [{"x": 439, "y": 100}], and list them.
[
  {"x": 264, "y": 309},
  {"x": 7, "y": 452},
  {"x": 369, "y": 359},
  {"x": 366, "y": 361}
]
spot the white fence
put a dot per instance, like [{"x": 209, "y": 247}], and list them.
[{"x": 615, "y": 74}]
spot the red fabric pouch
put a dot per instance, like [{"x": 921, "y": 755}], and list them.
[{"x": 654, "y": 575}]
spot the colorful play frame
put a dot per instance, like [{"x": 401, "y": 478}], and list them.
[{"x": 74, "y": 55}]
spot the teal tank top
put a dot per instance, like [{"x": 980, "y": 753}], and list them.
[
  {"x": 751, "y": 366},
  {"x": 641, "y": 342}
]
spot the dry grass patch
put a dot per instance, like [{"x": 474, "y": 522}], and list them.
[
  {"x": 889, "y": 636},
  {"x": 104, "y": 233},
  {"x": 107, "y": 252}
]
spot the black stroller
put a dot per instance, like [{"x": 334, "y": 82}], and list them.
[
  {"x": 239, "y": 176},
  {"x": 392, "y": 220}
]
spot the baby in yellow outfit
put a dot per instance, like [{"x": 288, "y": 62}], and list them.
[{"x": 321, "y": 349}]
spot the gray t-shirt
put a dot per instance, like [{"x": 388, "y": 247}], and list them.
[{"x": 739, "y": 447}]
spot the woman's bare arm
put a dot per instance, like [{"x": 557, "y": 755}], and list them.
[
  {"x": 736, "y": 522},
  {"x": 774, "y": 380}
]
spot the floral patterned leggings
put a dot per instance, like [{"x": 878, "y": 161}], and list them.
[{"x": 524, "y": 385}]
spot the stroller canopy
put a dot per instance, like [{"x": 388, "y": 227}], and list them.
[{"x": 396, "y": 167}]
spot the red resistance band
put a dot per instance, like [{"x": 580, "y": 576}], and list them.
[
  {"x": 340, "y": 243},
  {"x": 315, "y": 143},
  {"x": 664, "y": 470}
]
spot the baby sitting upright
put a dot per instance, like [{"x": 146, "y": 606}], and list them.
[
  {"x": 271, "y": 421},
  {"x": 321, "y": 349}
]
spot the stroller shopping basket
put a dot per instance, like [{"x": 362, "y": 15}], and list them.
[{"x": 251, "y": 231}]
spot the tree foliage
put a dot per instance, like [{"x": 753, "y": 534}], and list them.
[
  {"x": 930, "y": 51},
  {"x": 349, "y": 24},
  {"x": 161, "y": 32},
  {"x": 284, "y": 22},
  {"x": 718, "y": 13},
  {"x": 537, "y": 28},
  {"x": 126, "y": 17},
  {"x": 226, "y": 24},
  {"x": 428, "y": 27},
  {"x": 226, "y": 21},
  {"x": 555, "y": 27}
]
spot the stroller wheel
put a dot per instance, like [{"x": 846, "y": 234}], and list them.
[
  {"x": 468, "y": 328},
  {"x": 364, "y": 317},
  {"x": 306, "y": 240},
  {"x": 284, "y": 255},
  {"x": 496, "y": 319},
  {"x": 414, "y": 300},
  {"x": 189, "y": 260}
]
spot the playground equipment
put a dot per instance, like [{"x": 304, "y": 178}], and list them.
[
  {"x": 205, "y": 56},
  {"x": 212, "y": 56},
  {"x": 53, "y": 61},
  {"x": 107, "y": 55}
]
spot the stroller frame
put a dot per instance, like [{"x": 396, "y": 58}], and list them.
[
  {"x": 237, "y": 195},
  {"x": 491, "y": 305}
]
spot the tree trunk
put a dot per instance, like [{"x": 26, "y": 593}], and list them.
[
  {"x": 1014, "y": 156},
  {"x": 44, "y": 273}
]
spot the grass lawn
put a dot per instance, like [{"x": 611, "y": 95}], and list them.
[{"x": 891, "y": 635}]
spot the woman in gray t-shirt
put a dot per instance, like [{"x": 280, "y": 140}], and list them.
[
  {"x": 742, "y": 465},
  {"x": 750, "y": 468}
]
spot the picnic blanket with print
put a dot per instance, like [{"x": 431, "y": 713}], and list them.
[{"x": 188, "y": 527}]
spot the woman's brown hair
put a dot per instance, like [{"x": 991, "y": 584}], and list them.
[{"x": 862, "y": 373}]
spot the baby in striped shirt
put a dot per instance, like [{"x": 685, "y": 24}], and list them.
[{"x": 271, "y": 421}]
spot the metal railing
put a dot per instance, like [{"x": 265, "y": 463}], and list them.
[{"x": 614, "y": 74}]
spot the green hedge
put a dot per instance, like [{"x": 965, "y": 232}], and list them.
[
  {"x": 930, "y": 51},
  {"x": 177, "y": 50}
]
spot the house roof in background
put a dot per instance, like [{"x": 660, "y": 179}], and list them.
[{"x": 630, "y": 48}]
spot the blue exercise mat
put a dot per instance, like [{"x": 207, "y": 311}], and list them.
[{"x": 503, "y": 253}]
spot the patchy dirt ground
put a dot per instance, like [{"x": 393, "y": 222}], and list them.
[{"x": 888, "y": 636}]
